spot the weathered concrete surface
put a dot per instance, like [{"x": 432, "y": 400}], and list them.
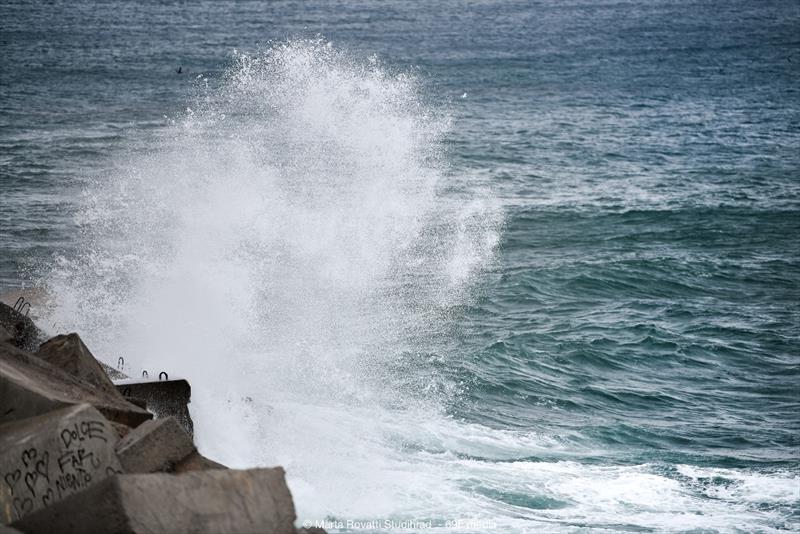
[
  {"x": 47, "y": 458},
  {"x": 218, "y": 502},
  {"x": 24, "y": 333},
  {"x": 157, "y": 445},
  {"x": 30, "y": 386},
  {"x": 68, "y": 353},
  {"x": 164, "y": 398},
  {"x": 197, "y": 462}
]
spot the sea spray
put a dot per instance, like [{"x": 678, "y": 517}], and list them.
[{"x": 293, "y": 244}]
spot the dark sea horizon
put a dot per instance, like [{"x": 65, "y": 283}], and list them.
[{"x": 483, "y": 266}]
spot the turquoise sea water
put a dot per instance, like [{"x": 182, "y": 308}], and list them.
[{"x": 475, "y": 266}]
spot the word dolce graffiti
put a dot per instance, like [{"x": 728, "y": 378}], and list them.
[{"x": 83, "y": 431}]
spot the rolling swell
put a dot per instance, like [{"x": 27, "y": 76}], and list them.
[{"x": 616, "y": 322}]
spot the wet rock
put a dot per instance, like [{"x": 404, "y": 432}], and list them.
[
  {"x": 218, "y": 502},
  {"x": 30, "y": 386},
  {"x": 47, "y": 458},
  {"x": 68, "y": 353},
  {"x": 22, "y": 329},
  {"x": 164, "y": 398},
  {"x": 157, "y": 445}
]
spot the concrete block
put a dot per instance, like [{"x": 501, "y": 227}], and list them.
[
  {"x": 68, "y": 353},
  {"x": 218, "y": 502},
  {"x": 45, "y": 459},
  {"x": 164, "y": 398},
  {"x": 157, "y": 445},
  {"x": 30, "y": 386},
  {"x": 196, "y": 462}
]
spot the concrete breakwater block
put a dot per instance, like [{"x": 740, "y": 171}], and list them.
[
  {"x": 47, "y": 458},
  {"x": 30, "y": 386},
  {"x": 68, "y": 353},
  {"x": 157, "y": 445},
  {"x": 164, "y": 398},
  {"x": 22, "y": 330},
  {"x": 218, "y": 502},
  {"x": 161, "y": 445}
]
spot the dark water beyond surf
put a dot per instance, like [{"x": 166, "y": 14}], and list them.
[{"x": 475, "y": 266}]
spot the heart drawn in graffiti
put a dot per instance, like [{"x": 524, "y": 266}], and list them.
[
  {"x": 48, "y": 497},
  {"x": 12, "y": 479},
  {"x": 28, "y": 456},
  {"x": 30, "y": 481},
  {"x": 43, "y": 465}
]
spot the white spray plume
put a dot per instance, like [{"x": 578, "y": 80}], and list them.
[{"x": 288, "y": 246}]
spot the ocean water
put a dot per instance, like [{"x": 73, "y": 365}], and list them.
[{"x": 458, "y": 266}]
